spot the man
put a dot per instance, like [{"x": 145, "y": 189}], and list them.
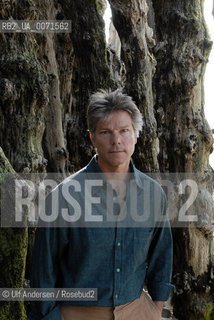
[{"x": 118, "y": 258}]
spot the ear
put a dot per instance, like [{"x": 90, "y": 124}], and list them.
[{"x": 92, "y": 138}]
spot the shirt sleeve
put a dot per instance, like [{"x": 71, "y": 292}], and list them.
[
  {"x": 160, "y": 258},
  {"x": 49, "y": 242},
  {"x": 44, "y": 272}
]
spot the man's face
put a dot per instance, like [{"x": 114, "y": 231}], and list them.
[{"x": 115, "y": 140}]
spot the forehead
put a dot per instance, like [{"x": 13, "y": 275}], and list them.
[{"x": 116, "y": 118}]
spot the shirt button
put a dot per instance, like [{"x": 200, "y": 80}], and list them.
[
  {"x": 116, "y": 296},
  {"x": 118, "y": 269},
  {"x": 118, "y": 244}
]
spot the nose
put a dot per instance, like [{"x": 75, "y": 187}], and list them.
[{"x": 115, "y": 138}]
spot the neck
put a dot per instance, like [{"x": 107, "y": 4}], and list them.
[
  {"x": 117, "y": 176},
  {"x": 117, "y": 172}
]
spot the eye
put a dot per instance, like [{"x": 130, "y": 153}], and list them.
[
  {"x": 104, "y": 132},
  {"x": 124, "y": 130}
]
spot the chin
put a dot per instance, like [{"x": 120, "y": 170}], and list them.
[{"x": 117, "y": 163}]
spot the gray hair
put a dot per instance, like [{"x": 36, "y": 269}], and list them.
[{"x": 103, "y": 102}]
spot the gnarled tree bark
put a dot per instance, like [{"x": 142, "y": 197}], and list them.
[
  {"x": 181, "y": 52},
  {"x": 130, "y": 21},
  {"x": 13, "y": 251},
  {"x": 45, "y": 83}
]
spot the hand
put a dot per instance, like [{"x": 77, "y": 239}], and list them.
[{"x": 159, "y": 304}]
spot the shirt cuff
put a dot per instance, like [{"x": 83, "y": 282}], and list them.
[{"x": 159, "y": 291}]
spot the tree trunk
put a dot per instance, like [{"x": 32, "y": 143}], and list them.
[
  {"x": 45, "y": 83},
  {"x": 86, "y": 71},
  {"x": 13, "y": 251},
  {"x": 130, "y": 21},
  {"x": 182, "y": 48}
]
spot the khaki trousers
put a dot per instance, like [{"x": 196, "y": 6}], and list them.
[{"x": 140, "y": 309}]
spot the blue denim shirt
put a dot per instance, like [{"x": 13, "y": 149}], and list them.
[{"x": 118, "y": 261}]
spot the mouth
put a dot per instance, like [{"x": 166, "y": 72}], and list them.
[{"x": 116, "y": 151}]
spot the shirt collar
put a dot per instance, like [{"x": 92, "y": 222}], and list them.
[
  {"x": 93, "y": 167},
  {"x": 137, "y": 175}
]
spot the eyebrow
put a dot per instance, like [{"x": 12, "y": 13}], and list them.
[{"x": 122, "y": 127}]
